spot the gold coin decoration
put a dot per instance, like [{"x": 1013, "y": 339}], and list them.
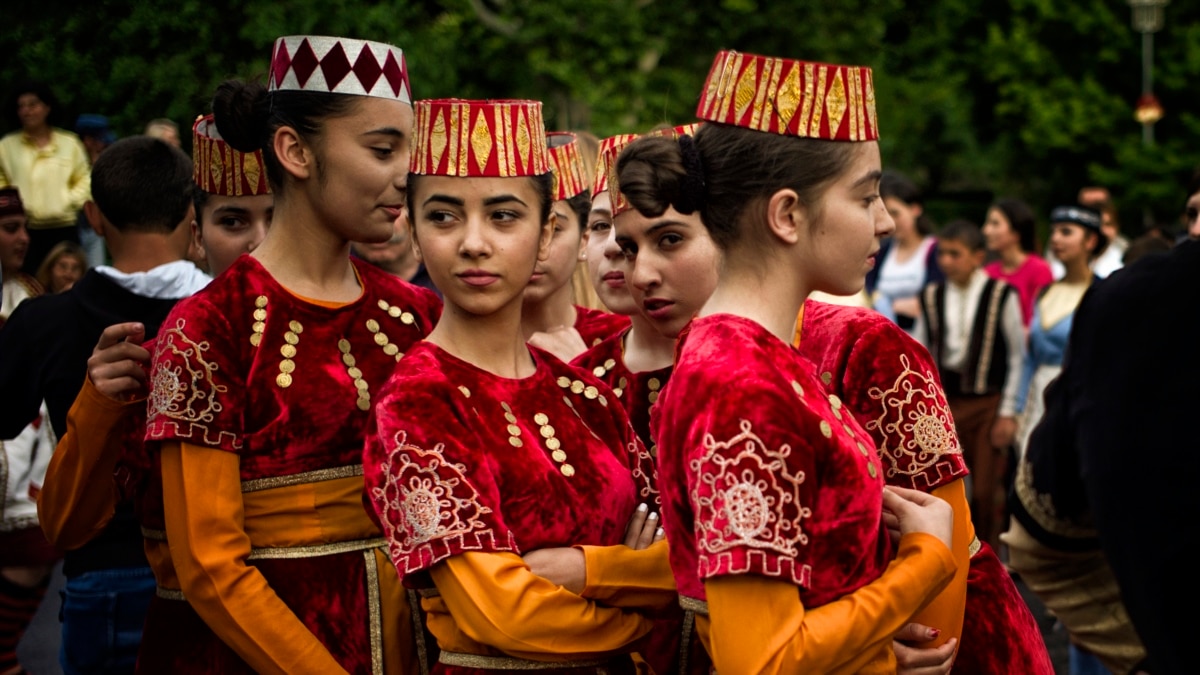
[
  {"x": 260, "y": 317},
  {"x": 287, "y": 366},
  {"x": 296, "y": 327},
  {"x": 591, "y": 392},
  {"x": 599, "y": 371},
  {"x": 826, "y": 429},
  {"x": 863, "y": 449},
  {"x": 356, "y": 375},
  {"x": 798, "y": 389},
  {"x": 283, "y": 380},
  {"x": 827, "y": 377},
  {"x": 260, "y": 302},
  {"x": 465, "y": 392},
  {"x": 610, "y": 364},
  {"x": 567, "y": 470},
  {"x": 406, "y": 318},
  {"x": 288, "y": 351},
  {"x": 564, "y": 382},
  {"x": 577, "y": 387},
  {"x": 871, "y": 470},
  {"x": 541, "y": 419}
]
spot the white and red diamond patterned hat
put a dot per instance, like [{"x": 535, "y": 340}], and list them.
[{"x": 339, "y": 66}]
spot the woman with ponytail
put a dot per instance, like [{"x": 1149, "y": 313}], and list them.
[
  {"x": 261, "y": 385},
  {"x": 773, "y": 495}
]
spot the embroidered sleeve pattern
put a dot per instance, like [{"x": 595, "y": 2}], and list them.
[
  {"x": 750, "y": 506},
  {"x": 911, "y": 423},
  {"x": 645, "y": 473},
  {"x": 430, "y": 510},
  {"x": 189, "y": 393}
]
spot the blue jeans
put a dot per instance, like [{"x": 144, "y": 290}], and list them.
[
  {"x": 1085, "y": 663},
  {"x": 102, "y": 616}
]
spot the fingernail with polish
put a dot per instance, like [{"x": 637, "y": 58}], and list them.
[
  {"x": 933, "y": 632},
  {"x": 642, "y": 508},
  {"x": 653, "y": 516},
  {"x": 659, "y": 533}
]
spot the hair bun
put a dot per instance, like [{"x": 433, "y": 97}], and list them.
[{"x": 241, "y": 111}]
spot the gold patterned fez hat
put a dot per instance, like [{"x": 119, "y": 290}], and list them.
[
  {"x": 566, "y": 163},
  {"x": 219, "y": 169},
  {"x": 337, "y": 65},
  {"x": 606, "y": 166},
  {"x": 479, "y": 139},
  {"x": 790, "y": 98}
]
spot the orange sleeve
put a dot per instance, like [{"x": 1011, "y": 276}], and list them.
[
  {"x": 497, "y": 601},
  {"x": 619, "y": 576},
  {"x": 202, "y": 499},
  {"x": 945, "y": 613},
  {"x": 76, "y": 501},
  {"x": 759, "y": 625}
]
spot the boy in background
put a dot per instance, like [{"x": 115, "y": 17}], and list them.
[{"x": 972, "y": 326}]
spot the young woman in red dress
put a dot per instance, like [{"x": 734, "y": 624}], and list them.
[
  {"x": 773, "y": 495},
  {"x": 261, "y": 385},
  {"x": 483, "y": 449}
]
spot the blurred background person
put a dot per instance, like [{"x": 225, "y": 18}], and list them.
[
  {"x": 396, "y": 257},
  {"x": 14, "y": 245},
  {"x": 50, "y": 167},
  {"x": 907, "y": 261},
  {"x": 164, "y": 130},
  {"x": 1010, "y": 232},
  {"x": 96, "y": 135},
  {"x": 1191, "y": 213},
  {"x": 63, "y": 266}
]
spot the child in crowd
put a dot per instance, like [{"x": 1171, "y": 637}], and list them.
[{"x": 972, "y": 326}]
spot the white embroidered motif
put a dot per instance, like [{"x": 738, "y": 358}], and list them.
[
  {"x": 189, "y": 398},
  {"x": 915, "y": 426},
  {"x": 427, "y": 506},
  {"x": 753, "y": 496}
]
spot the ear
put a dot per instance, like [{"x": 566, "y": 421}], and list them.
[
  {"x": 294, "y": 155},
  {"x": 786, "y": 216},
  {"x": 917, "y": 210},
  {"x": 95, "y": 219},
  {"x": 412, "y": 241},
  {"x": 547, "y": 235},
  {"x": 979, "y": 257},
  {"x": 197, "y": 238},
  {"x": 583, "y": 242}
]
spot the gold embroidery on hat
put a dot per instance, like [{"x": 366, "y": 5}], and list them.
[
  {"x": 252, "y": 169},
  {"x": 481, "y": 142},
  {"x": 761, "y": 104},
  {"x": 730, "y": 84},
  {"x": 745, "y": 91},
  {"x": 437, "y": 140},
  {"x": 760, "y": 93},
  {"x": 464, "y": 140},
  {"x": 804, "y": 126},
  {"x": 819, "y": 108},
  {"x": 504, "y": 144},
  {"x": 870, "y": 86},
  {"x": 852, "y": 101},
  {"x": 451, "y": 161},
  {"x": 214, "y": 165},
  {"x": 237, "y": 173},
  {"x": 523, "y": 140}
]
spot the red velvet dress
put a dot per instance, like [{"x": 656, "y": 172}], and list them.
[
  {"x": 460, "y": 460},
  {"x": 595, "y": 325},
  {"x": 761, "y": 472},
  {"x": 889, "y": 383},
  {"x": 638, "y": 392},
  {"x": 246, "y": 367}
]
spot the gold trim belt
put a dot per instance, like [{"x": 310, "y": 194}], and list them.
[
  {"x": 315, "y": 550},
  {"x": 320, "y": 475},
  {"x": 693, "y": 605},
  {"x": 974, "y": 547},
  {"x": 169, "y": 593},
  {"x": 511, "y": 663}
]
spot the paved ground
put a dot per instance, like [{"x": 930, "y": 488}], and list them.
[{"x": 39, "y": 650}]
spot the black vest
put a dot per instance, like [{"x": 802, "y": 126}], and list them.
[{"x": 986, "y": 366}]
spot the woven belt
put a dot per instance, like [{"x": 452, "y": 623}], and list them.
[
  {"x": 315, "y": 550},
  {"x": 169, "y": 593},
  {"x": 512, "y": 663},
  {"x": 693, "y": 605},
  {"x": 974, "y": 547}
]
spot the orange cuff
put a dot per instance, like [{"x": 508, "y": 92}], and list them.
[{"x": 619, "y": 576}]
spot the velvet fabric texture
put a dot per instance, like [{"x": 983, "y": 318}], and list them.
[
  {"x": 595, "y": 325},
  {"x": 458, "y": 459},
  {"x": 244, "y": 366},
  {"x": 889, "y": 382},
  {"x": 762, "y": 471},
  {"x": 637, "y": 391}
]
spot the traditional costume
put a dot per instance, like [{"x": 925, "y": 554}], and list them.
[
  {"x": 764, "y": 475},
  {"x": 259, "y": 400},
  {"x": 889, "y": 383},
  {"x": 467, "y": 470}
]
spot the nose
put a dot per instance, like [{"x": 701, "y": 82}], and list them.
[
  {"x": 611, "y": 249},
  {"x": 884, "y": 223},
  {"x": 474, "y": 242},
  {"x": 644, "y": 275},
  {"x": 260, "y": 232}
]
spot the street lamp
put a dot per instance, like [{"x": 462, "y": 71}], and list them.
[{"x": 1148, "y": 20}]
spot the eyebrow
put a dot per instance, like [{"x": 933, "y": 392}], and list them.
[
  {"x": 666, "y": 223},
  {"x": 385, "y": 131},
  {"x": 500, "y": 199},
  {"x": 603, "y": 212},
  {"x": 238, "y": 210},
  {"x": 869, "y": 178},
  {"x": 453, "y": 201}
]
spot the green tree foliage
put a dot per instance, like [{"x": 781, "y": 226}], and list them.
[{"x": 1022, "y": 97}]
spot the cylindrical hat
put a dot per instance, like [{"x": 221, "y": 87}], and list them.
[
  {"x": 790, "y": 98},
  {"x": 1083, "y": 217},
  {"x": 479, "y": 139},
  {"x": 10, "y": 202},
  {"x": 606, "y": 167},
  {"x": 566, "y": 164},
  {"x": 337, "y": 65},
  {"x": 219, "y": 169}
]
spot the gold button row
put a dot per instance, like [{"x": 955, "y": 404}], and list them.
[
  {"x": 396, "y": 313},
  {"x": 260, "y": 318}
]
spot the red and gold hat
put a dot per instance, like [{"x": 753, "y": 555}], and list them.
[
  {"x": 606, "y": 167},
  {"x": 219, "y": 169},
  {"x": 790, "y": 98},
  {"x": 609, "y": 149},
  {"x": 566, "y": 164},
  {"x": 339, "y": 66},
  {"x": 479, "y": 139}
]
